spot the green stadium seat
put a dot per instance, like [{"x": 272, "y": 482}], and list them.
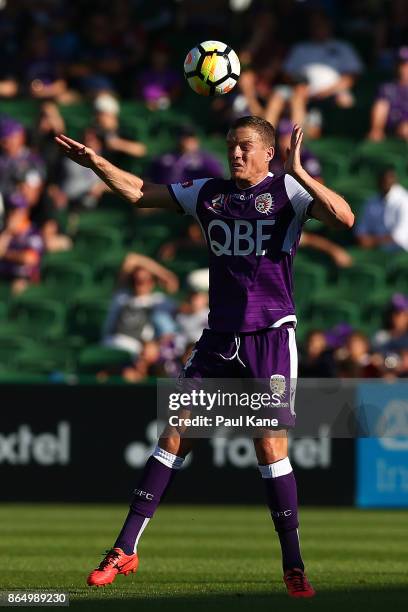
[
  {"x": 86, "y": 318},
  {"x": 66, "y": 277},
  {"x": 372, "y": 311},
  {"x": 98, "y": 240},
  {"x": 4, "y": 292},
  {"x": 38, "y": 317},
  {"x": 397, "y": 274},
  {"x": 326, "y": 312},
  {"x": 308, "y": 279},
  {"x": 105, "y": 218},
  {"x": 11, "y": 346},
  {"x": 41, "y": 359},
  {"x": 96, "y": 358},
  {"x": 361, "y": 280},
  {"x": 372, "y": 157}
]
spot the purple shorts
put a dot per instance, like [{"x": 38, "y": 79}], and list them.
[{"x": 269, "y": 354}]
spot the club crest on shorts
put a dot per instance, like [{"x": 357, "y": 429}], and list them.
[
  {"x": 264, "y": 203},
  {"x": 277, "y": 384}
]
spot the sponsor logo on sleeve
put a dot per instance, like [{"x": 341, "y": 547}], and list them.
[
  {"x": 217, "y": 202},
  {"x": 264, "y": 203}
]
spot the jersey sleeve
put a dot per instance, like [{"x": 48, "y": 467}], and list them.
[
  {"x": 186, "y": 194},
  {"x": 299, "y": 197}
]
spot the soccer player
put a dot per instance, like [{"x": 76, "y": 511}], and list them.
[{"x": 252, "y": 223}]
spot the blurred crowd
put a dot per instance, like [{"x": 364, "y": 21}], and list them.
[{"x": 298, "y": 59}]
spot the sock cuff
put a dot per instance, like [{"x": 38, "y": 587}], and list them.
[
  {"x": 274, "y": 470},
  {"x": 171, "y": 461}
]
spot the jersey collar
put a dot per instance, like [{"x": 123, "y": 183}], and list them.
[{"x": 269, "y": 175}]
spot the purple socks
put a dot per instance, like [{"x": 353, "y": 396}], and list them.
[
  {"x": 281, "y": 494},
  {"x": 158, "y": 474}
]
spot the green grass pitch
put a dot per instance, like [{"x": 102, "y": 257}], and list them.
[{"x": 208, "y": 558}]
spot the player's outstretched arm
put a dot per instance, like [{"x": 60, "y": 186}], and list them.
[
  {"x": 125, "y": 184},
  {"x": 328, "y": 206}
]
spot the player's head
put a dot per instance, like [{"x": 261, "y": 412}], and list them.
[{"x": 250, "y": 142}]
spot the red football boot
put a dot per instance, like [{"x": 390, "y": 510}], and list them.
[
  {"x": 298, "y": 584},
  {"x": 115, "y": 562}
]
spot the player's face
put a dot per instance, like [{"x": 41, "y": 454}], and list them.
[{"x": 248, "y": 156}]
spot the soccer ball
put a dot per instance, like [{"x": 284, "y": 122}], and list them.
[{"x": 212, "y": 68}]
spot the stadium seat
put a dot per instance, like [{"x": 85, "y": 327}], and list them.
[
  {"x": 105, "y": 218},
  {"x": 96, "y": 240},
  {"x": 86, "y": 318},
  {"x": 308, "y": 279},
  {"x": 361, "y": 280},
  {"x": 11, "y": 346},
  {"x": 371, "y": 157},
  {"x": 372, "y": 311},
  {"x": 327, "y": 312},
  {"x": 38, "y": 317},
  {"x": 397, "y": 273},
  {"x": 96, "y": 358},
  {"x": 65, "y": 278},
  {"x": 46, "y": 359}
]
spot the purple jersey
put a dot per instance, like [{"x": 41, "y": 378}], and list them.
[
  {"x": 252, "y": 236},
  {"x": 30, "y": 240},
  {"x": 397, "y": 97}
]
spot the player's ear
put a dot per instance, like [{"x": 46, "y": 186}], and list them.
[{"x": 270, "y": 152}]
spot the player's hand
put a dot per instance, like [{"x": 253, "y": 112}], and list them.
[
  {"x": 292, "y": 163},
  {"x": 78, "y": 152}
]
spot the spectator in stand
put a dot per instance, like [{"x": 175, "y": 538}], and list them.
[
  {"x": 107, "y": 128},
  {"x": 138, "y": 313},
  {"x": 2, "y": 212},
  {"x": 99, "y": 62},
  {"x": 322, "y": 68},
  {"x": 394, "y": 336},
  {"x": 384, "y": 220},
  {"x": 187, "y": 163},
  {"x": 21, "y": 246},
  {"x": 338, "y": 255},
  {"x": 354, "y": 359},
  {"x": 42, "y": 76},
  {"x": 261, "y": 62},
  {"x": 147, "y": 364},
  {"x": 78, "y": 186},
  {"x": 389, "y": 114},
  {"x": 308, "y": 160},
  {"x": 19, "y": 165},
  {"x": 192, "y": 242},
  {"x": 192, "y": 317},
  {"x": 390, "y": 31},
  {"x": 312, "y": 165},
  {"x": 403, "y": 364},
  {"x": 159, "y": 86},
  {"x": 316, "y": 361},
  {"x": 49, "y": 124}
]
